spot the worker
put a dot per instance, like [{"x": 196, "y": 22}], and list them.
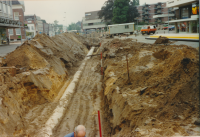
[{"x": 79, "y": 131}]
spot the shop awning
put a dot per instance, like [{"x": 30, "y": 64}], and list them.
[
  {"x": 7, "y": 23},
  {"x": 182, "y": 20}
]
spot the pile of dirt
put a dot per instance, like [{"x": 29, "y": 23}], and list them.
[
  {"x": 43, "y": 65},
  {"x": 161, "y": 40},
  {"x": 162, "y": 98}
]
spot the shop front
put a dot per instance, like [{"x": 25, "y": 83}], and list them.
[
  {"x": 7, "y": 24},
  {"x": 189, "y": 19}
]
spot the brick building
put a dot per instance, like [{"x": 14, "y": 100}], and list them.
[
  {"x": 30, "y": 20},
  {"x": 156, "y": 13},
  {"x": 18, "y": 10}
]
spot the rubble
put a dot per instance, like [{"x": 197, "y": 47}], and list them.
[
  {"x": 41, "y": 68},
  {"x": 161, "y": 40},
  {"x": 163, "y": 95}
]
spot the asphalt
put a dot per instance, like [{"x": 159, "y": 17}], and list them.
[
  {"x": 141, "y": 38},
  {"x": 5, "y": 49}
]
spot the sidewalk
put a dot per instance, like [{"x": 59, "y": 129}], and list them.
[{"x": 5, "y": 49}]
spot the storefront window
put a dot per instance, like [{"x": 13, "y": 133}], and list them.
[
  {"x": 183, "y": 26},
  {"x": 185, "y": 12},
  {"x": 194, "y": 26}
]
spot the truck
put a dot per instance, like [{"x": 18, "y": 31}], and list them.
[
  {"x": 120, "y": 29},
  {"x": 148, "y": 30}
]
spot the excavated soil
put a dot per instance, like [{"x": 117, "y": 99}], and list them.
[
  {"x": 162, "y": 96},
  {"x": 44, "y": 68}
]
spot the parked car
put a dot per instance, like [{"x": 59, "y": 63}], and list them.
[
  {"x": 148, "y": 30},
  {"x": 170, "y": 28}
]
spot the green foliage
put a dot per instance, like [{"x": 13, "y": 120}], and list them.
[
  {"x": 120, "y": 11},
  {"x": 106, "y": 11},
  {"x": 142, "y": 23},
  {"x": 133, "y": 12},
  {"x": 74, "y": 26},
  {"x": 55, "y": 24}
]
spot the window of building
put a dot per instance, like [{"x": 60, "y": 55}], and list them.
[
  {"x": 87, "y": 14},
  {"x": 90, "y": 24},
  {"x": 32, "y": 28},
  {"x": 126, "y": 26},
  {"x": 0, "y": 6},
  {"x": 184, "y": 12},
  {"x": 4, "y": 8},
  {"x": 9, "y": 10},
  {"x": 18, "y": 31},
  {"x": 16, "y": 15},
  {"x": 10, "y": 31}
]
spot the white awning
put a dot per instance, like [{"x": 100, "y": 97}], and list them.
[
  {"x": 121, "y": 24},
  {"x": 182, "y": 20},
  {"x": 162, "y": 15}
]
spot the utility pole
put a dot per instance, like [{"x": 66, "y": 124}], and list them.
[{"x": 168, "y": 20}]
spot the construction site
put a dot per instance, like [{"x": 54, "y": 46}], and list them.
[{"x": 49, "y": 85}]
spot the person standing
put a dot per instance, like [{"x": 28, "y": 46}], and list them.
[
  {"x": 8, "y": 40},
  {"x": 79, "y": 131}
]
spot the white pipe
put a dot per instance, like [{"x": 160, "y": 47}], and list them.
[{"x": 58, "y": 112}]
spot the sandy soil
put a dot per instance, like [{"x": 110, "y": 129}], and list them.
[
  {"x": 162, "y": 96},
  {"x": 84, "y": 104}
]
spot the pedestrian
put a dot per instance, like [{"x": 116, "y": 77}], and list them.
[
  {"x": 79, "y": 131},
  {"x": 7, "y": 40}
]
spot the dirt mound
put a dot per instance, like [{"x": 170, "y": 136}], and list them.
[
  {"x": 43, "y": 65},
  {"x": 162, "y": 99},
  {"x": 162, "y": 54},
  {"x": 161, "y": 40}
]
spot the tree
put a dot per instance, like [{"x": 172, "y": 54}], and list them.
[
  {"x": 74, "y": 26},
  {"x": 56, "y": 24},
  {"x": 106, "y": 12},
  {"x": 120, "y": 11},
  {"x": 132, "y": 12}
]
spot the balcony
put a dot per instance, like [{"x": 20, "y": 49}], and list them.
[
  {"x": 158, "y": 7},
  {"x": 158, "y": 11},
  {"x": 158, "y": 21}
]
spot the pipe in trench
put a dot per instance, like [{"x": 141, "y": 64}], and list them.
[{"x": 63, "y": 102}]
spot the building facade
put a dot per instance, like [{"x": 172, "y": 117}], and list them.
[
  {"x": 187, "y": 15},
  {"x": 51, "y": 30},
  {"x": 6, "y": 19},
  {"x": 30, "y": 20},
  {"x": 156, "y": 13},
  {"x": 18, "y": 10},
  {"x": 39, "y": 25},
  {"x": 92, "y": 21}
]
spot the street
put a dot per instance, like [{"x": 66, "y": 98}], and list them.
[
  {"x": 5, "y": 49},
  {"x": 141, "y": 38}
]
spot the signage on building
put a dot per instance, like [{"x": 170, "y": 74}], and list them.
[
  {"x": 7, "y": 21},
  {"x": 195, "y": 8},
  {"x": 170, "y": 2}
]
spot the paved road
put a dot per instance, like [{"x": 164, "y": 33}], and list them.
[
  {"x": 141, "y": 38},
  {"x": 5, "y": 49}
]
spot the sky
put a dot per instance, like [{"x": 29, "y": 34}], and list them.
[{"x": 66, "y": 11}]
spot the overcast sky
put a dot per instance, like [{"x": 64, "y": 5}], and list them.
[{"x": 51, "y": 10}]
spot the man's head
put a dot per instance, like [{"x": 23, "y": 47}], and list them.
[{"x": 80, "y": 131}]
